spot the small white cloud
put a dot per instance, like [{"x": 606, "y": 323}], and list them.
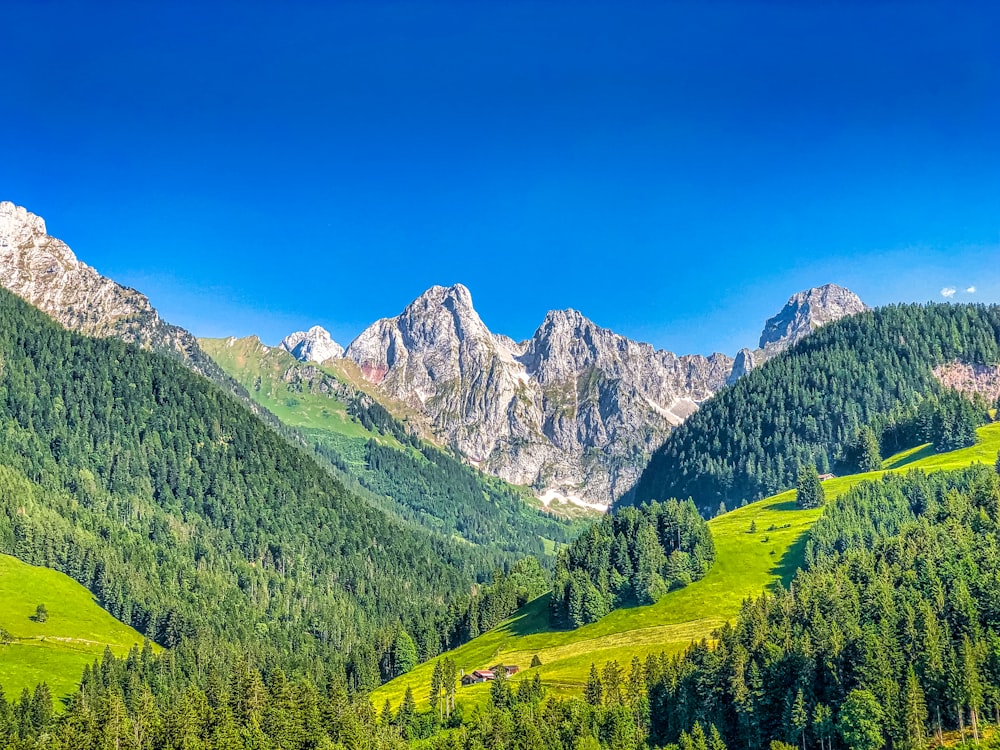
[
  {"x": 971, "y": 290},
  {"x": 948, "y": 291}
]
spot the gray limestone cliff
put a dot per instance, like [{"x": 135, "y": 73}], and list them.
[
  {"x": 805, "y": 312},
  {"x": 43, "y": 271}
]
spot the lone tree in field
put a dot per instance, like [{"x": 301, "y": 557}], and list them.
[
  {"x": 41, "y": 614},
  {"x": 810, "y": 492}
]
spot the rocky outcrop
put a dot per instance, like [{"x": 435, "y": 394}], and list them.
[
  {"x": 44, "y": 271},
  {"x": 576, "y": 410},
  {"x": 805, "y": 312},
  {"x": 315, "y": 345},
  {"x": 970, "y": 378}
]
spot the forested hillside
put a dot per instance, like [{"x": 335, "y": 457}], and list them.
[
  {"x": 396, "y": 469},
  {"x": 188, "y": 518},
  {"x": 809, "y": 405},
  {"x": 890, "y": 633}
]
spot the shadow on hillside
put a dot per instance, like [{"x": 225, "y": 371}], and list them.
[
  {"x": 926, "y": 452},
  {"x": 791, "y": 561},
  {"x": 787, "y": 505},
  {"x": 534, "y": 618}
]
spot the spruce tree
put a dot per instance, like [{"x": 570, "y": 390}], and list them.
[
  {"x": 406, "y": 714},
  {"x": 593, "y": 693},
  {"x": 868, "y": 451},
  {"x": 809, "y": 493},
  {"x": 914, "y": 713}
]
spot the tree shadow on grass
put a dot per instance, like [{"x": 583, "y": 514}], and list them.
[
  {"x": 787, "y": 505},
  {"x": 926, "y": 452},
  {"x": 790, "y": 562},
  {"x": 532, "y": 618}
]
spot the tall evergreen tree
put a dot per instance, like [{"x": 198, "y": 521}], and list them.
[{"x": 809, "y": 492}]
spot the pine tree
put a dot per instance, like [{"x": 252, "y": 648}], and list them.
[
  {"x": 593, "y": 693},
  {"x": 914, "y": 713},
  {"x": 822, "y": 723},
  {"x": 810, "y": 493},
  {"x": 800, "y": 716},
  {"x": 715, "y": 741},
  {"x": 406, "y": 714},
  {"x": 868, "y": 451},
  {"x": 436, "y": 685}
]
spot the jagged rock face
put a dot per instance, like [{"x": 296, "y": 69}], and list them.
[
  {"x": 806, "y": 311},
  {"x": 315, "y": 345},
  {"x": 574, "y": 412},
  {"x": 44, "y": 271},
  {"x": 745, "y": 362}
]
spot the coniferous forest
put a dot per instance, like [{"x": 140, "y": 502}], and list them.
[
  {"x": 808, "y": 406},
  {"x": 189, "y": 519},
  {"x": 632, "y": 557}
]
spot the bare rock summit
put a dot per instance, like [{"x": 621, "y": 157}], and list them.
[
  {"x": 315, "y": 345},
  {"x": 44, "y": 271},
  {"x": 806, "y": 311}
]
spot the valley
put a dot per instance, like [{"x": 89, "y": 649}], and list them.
[
  {"x": 747, "y": 564},
  {"x": 307, "y": 542}
]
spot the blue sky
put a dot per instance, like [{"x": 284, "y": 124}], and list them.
[{"x": 673, "y": 170}]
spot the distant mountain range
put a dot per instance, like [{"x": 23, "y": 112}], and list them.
[{"x": 574, "y": 412}]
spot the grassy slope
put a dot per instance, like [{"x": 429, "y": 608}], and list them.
[
  {"x": 247, "y": 361},
  {"x": 746, "y": 564},
  {"x": 76, "y": 632}
]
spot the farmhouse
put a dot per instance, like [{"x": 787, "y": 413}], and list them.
[
  {"x": 824, "y": 477},
  {"x": 480, "y": 675},
  {"x": 507, "y": 669}
]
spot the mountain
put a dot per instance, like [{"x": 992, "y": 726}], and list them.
[
  {"x": 807, "y": 406},
  {"x": 188, "y": 517},
  {"x": 391, "y": 463},
  {"x": 805, "y": 312},
  {"x": 575, "y": 411},
  {"x": 44, "y": 271},
  {"x": 314, "y": 345}
]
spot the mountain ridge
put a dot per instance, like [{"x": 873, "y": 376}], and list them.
[
  {"x": 573, "y": 411},
  {"x": 46, "y": 273}
]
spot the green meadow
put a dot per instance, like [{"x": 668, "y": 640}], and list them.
[
  {"x": 74, "y": 634},
  {"x": 260, "y": 370},
  {"x": 747, "y": 563}
]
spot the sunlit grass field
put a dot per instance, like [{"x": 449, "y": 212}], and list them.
[
  {"x": 76, "y": 631},
  {"x": 746, "y": 564}
]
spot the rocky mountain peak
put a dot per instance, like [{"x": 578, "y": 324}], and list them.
[
  {"x": 804, "y": 312},
  {"x": 430, "y": 341},
  {"x": 18, "y": 226},
  {"x": 315, "y": 345},
  {"x": 43, "y": 271}
]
